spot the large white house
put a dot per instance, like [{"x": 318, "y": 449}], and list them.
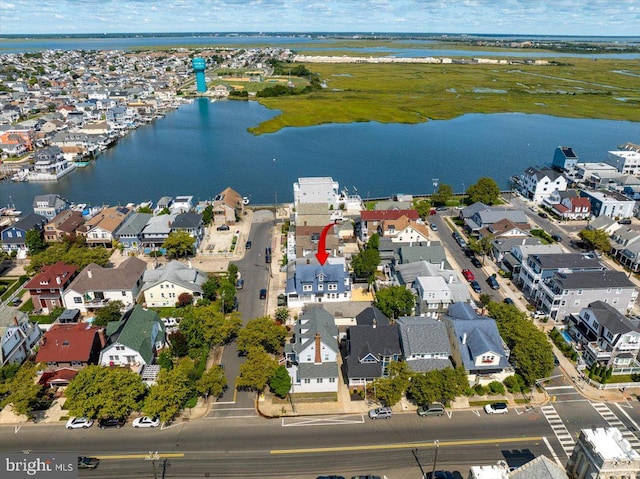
[
  {"x": 312, "y": 359},
  {"x": 538, "y": 183},
  {"x": 163, "y": 286}
]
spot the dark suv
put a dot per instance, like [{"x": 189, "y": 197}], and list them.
[{"x": 111, "y": 422}]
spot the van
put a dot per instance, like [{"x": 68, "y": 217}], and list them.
[
  {"x": 433, "y": 409},
  {"x": 267, "y": 254},
  {"x": 380, "y": 413}
]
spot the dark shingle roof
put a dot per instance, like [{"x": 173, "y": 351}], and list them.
[
  {"x": 593, "y": 280},
  {"x": 567, "y": 260},
  {"x": 367, "y": 340},
  {"x": 611, "y": 318}
]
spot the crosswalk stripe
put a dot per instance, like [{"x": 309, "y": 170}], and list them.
[
  {"x": 559, "y": 429},
  {"x": 614, "y": 421}
]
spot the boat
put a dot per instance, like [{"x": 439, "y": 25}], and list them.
[
  {"x": 11, "y": 212},
  {"x": 245, "y": 200}
]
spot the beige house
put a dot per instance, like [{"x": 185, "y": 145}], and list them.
[
  {"x": 227, "y": 206},
  {"x": 101, "y": 229},
  {"x": 163, "y": 286}
]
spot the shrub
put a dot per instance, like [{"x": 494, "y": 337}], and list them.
[
  {"x": 480, "y": 390},
  {"x": 514, "y": 384},
  {"x": 496, "y": 387}
]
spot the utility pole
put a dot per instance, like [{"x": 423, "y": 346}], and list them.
[{"x": 435, "y": 457}]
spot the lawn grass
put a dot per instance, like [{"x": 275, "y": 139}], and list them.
[
  {"x": 415, "y": 93},
  {"x": 12, "y": 286}
]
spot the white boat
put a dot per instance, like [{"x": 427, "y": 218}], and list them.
[
  {"x": 12, "y": 212},
  {"x": 245, "y": 200}
]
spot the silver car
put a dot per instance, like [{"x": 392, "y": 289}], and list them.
[{"x": 380, "y": 413}]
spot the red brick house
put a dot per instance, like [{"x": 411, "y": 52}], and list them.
[
  {"x": 73, "y": 345},
  {"x": 46, "y": 287}
]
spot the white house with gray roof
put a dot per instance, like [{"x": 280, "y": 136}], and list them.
[
  {"x": 476, "y": 345},
  {"x": 607, "y": 337},
  {"x": 487, "y": 217},
  {"x": 425, "y": 343},
  {"x": 538, "y": 183},
  {"x": 49, "y": 205},
  {"x": 162, "y": 286},
  {"x": 190, "y": 223},
  {"x": 566, "y": 293},
  {"x": 312, "y": 357},
  {"x": 310, "y": 282}
]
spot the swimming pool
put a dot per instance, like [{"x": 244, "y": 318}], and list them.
[{"x": 566, "y": 337}]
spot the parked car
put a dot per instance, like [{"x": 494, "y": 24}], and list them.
[
  {"x": 439, "y": 475},
  {"x": 538, "y": 314},
  {"x": 263, "y": 293},
  {"x": 442, "y": 208},
  {"x": 247, "y": 245},
  {"x": 433, "y": 409},
  {"x": 556, "y": 238},
  {"x": 223, "y": 228},
  {"x": 146, "y": 421},
  {"x": 434, "y": 227},
  {"x": 330, "y": 477},
  {"x": 476, "y": 262},
  {"x": 240, "y": 283},
  {"x": 468, "y": 275},
  {"x": 85, "y": 462},
  {"x": 624, "y": 221},
  {"x": 469, "y": 253},
  {"x": 282, "y": 300},
  {"x": 111, "y": 422},
  {"x": 368, "y": 476},
  {"x": 493, "y": 282},
  {"x": 380, "y": 413},
  {"x": 543, "y": 215},
  {"x": 508, "y": 301},
  {"x": 496, "y": 408},
  {"x": 15, "y": 302},
  {"x": 476, "y": 286},
  {"x": 79, "y": 423}
]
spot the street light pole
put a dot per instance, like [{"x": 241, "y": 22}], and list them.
[{"x": 435, "y": 458}]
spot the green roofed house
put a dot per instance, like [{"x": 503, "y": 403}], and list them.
[{"x": 134, "y": 340}]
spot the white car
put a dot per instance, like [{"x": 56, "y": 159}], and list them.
[
  {"x": 79, "y": 423},
  {"x": 146, "y": 421},
  {"x": 496, "y": 408}
]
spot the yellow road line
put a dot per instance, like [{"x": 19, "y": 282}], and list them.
[
  {"x": 412, "y": 445},
  {"x": 161, "y": 455}
]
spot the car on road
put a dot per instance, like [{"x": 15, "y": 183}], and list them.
[
  {"x": 263, "y": 293},
  {"x": 469, "y": 253},
  {"x": 468, "y": 275},
  {"x": 433, "y": 409},
  {"x": 367, "y": 476},
  {"x": 111, "y": 422},
  {"x": 476, "y": 286},
  {"x": 247, "y": 245},
  {"x": 442, "y": 208},
  {"x": 146, "y": 421},
  {"x": 86, "y": 462},
  {"x": 493, "y": 282},
  {"x": 496, "y": 408},
  {"x": 557, "y": 238},
  {"x": 543, "y": 215},
  {"x": 79, "y": 423},
  {"x": 240, "y": 283},
  {"x": 223, "y": 228},
  {"x": 508, "y": 301},
  {"x": 434, "y": 227},
  {"x": 380, "y": 413},
  {"x": 625, "y": 221},
  {"x": 282, "y": 299},
  {"x": 439, "y": 475},
  {"x": 476, "y": 262},
  {"x": 330, "y": 477}
]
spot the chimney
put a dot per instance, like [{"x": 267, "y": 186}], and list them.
[
  {"x": 375, "y": 323},
  {"x": 464, "y": 338},
  {"x": 102, "y": 337},
  {"x": 15, "y": 321},
  {"x": 144, "y": 306},
  {"x": 89, "y": 274},
  {"x": 58, "y": 280},
  {"x": 318, "y": 359}
]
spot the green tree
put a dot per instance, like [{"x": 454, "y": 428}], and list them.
[
  {"x": 178, "y": 244},
  {"x": 34, "y": 242},
  {"x": 167, "y": 397},
  {"x": 281, "y": 314},
  {"x": 179, "y": 344},
  {"x": 365, "y": 263},
  {"x": 596, "y": 239},
  {"x": 145, "y": 209},
  {"x": 481, "y": 246},
  {"x": 206, "y": 326},
  {"x": 210, "y": 288},
  {"x": 261, "y": 332},
  {"x": 99, "y": 392},
  {"x": 395, "y": 301},
  {"x": 444, "y": 194},
  {"x": 232, "y": 273},
  {"x": 227, "y": 295},
  {"x": 484, "y": 190},
  {"x": 207, "y": 215},
  {"x": 256, "y": 371},
  {"x": 112, "y": 311},
  {"x": 423, "y": 207},
  {"x": 374, "y": 241},
  {"x": 280, "y": 382},
  {"x": 70, "y": 253},
  {"x": 437, "y": 386},
  {"x": 213, "y": 382},
  {"x": 20, "y": 389},
  {"x": 389, "y": 389}
]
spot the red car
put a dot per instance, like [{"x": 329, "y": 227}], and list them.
[{"x": 468, "y": 275}]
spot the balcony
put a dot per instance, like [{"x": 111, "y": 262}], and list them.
[{"x": 597, "y": 351}]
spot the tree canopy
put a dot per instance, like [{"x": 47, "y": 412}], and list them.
[
  {"x": 208, "y": 326},
  {"x": 112, "y": 311},
  {"x": 280, "y": 382},
  {"x": 69, "y": 253},
  {"x": 484, "y": 190},
  {"x": 213, "y": 382},
  {"x": 261, "y": 332},
  {"x": 444, "y": 194},
  {"x": 179, "y": 244},
  {"x": 481, "y": 246},
  {"x": 366, "y": 262},
  {"x": 18, "y": 388},
  {"x": 167, "y": 397},
  {"x": 99, "y": 392},
  {"x": 395, "y": 301},
  {"x": 34, "y": 241},
  {"x": 442, "y": 385},
  {"x": 256, "y": 371},
  {"x": 596, "y": 239},
  {"x": 389, "y": 389}
]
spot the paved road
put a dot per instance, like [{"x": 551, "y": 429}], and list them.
[{"x": 256, "y": 275}]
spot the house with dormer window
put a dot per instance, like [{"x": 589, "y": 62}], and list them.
[
  {"x": 607, "y": 337},
  {"x": 476, "y": 345},
  {"x": 47, "y": 287},
  {"x": 370, "y": 350},
  {"x": 13, "y": 238},
  {"x": 311, "y": 357},
  {"x": 18, "y": 336},
  {"x": 537, "y": 184},
  {"x": 310, "y": 282}
]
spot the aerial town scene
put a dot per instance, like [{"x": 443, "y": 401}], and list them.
[{"x": 332, "y": 245}]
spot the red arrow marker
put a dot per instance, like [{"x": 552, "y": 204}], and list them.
[{"x": 322, "y": 254}]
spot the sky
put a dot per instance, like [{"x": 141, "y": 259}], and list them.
[{"x": 535, "y": 17}]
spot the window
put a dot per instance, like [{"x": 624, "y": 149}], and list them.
[
  {"x": 77, "y": 300},
  {"x": 308, "y": 357},
  {"x": 9, "y": 234},
  {"x": 307, "y": 381},
  {"x": 487, "y": 358},
  {"x": 332, "y": 287},
  {"x": 124, "y": 293},
  {"x": 320, "y": 286},
  {"x": 326, "y": 357},
  {"x": 319, "y": 380},
  {"x": 306, "y": 287},
  {"x": 119, "y": 348},
  {"x": 332, "y": 380},
  {"x": 579, "y": 292}
]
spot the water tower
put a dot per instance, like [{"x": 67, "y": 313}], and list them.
[{"x": 199, "y": 65}]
